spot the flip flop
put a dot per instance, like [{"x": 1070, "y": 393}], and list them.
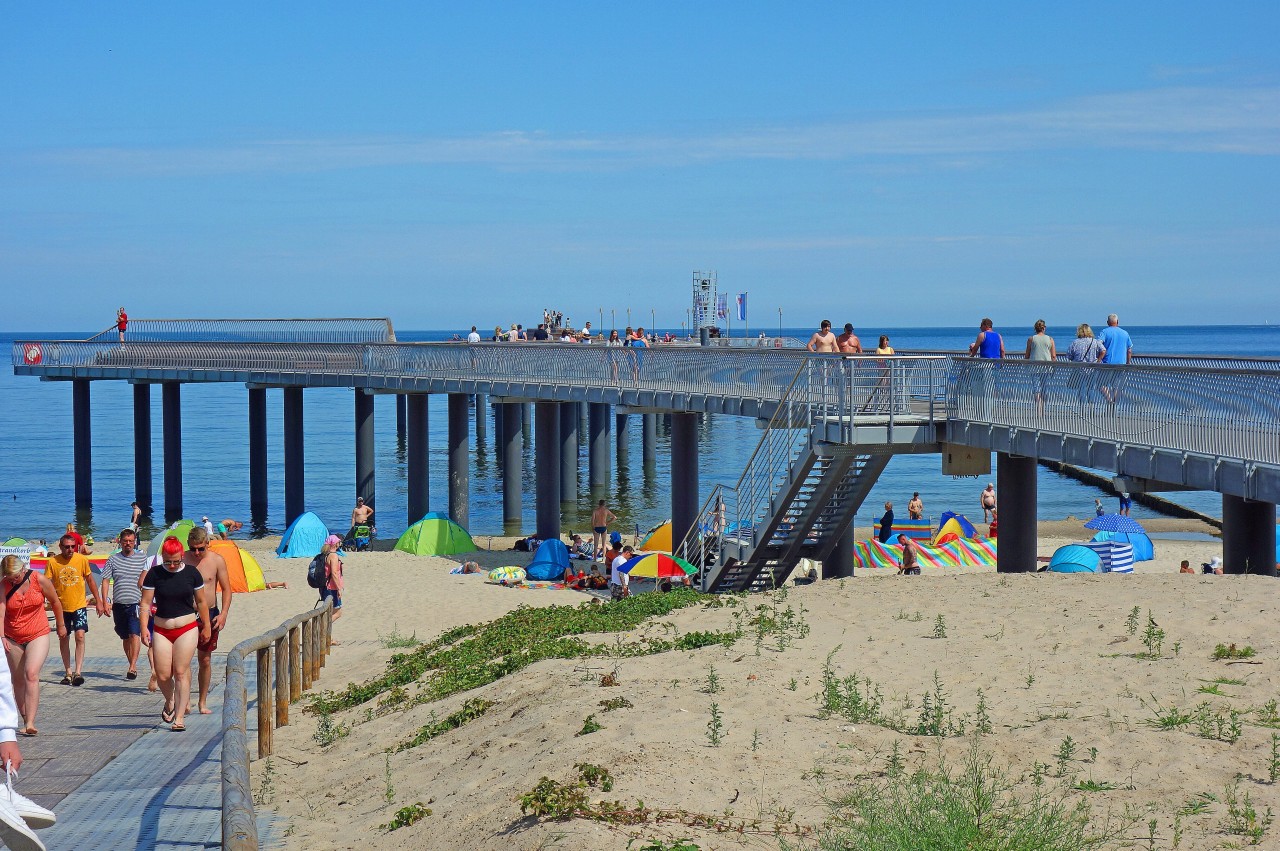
[
  {"x": 178, "y": 728},
  {"x": 132, "y": 675},
  {"x": 168, "y": 715}
]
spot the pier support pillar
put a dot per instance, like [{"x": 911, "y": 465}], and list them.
[
  {"x": 526, "y": 419},
  {"x": 684, "y": 475},
  {"x": 482, "y": 418},
  {"x": 171, "y": 431},
  {"x": 418, "y": 467},
  {"x": 546, "y": 439},
  {"x": 402, "y": 416},
  {"x": 512, "y": 465},
  {"x": 81, "y": 443},
  {"x": 622, "y": 449},
  {"x": 649, "y": 439},
  {"x": 497, "y": 430},
  {"x": 258, "y": 457},
  {"x": 598, "y": 431},
  {"x": 1248, "y": 536},
  {"x": 142, "y": 447},
  {"x": 364, "y": 448},
  {"x": 583, "y": 423},
  {"x": 568, "y": 451},
  {"x": 459, "y": 461},
  {"x": 839, "y": 564},
  {"x": 295, "y": 489},
  {"x": 1016, "y": 486}
]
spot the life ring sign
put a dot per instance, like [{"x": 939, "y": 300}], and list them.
[{"x": 32, "y": 354}]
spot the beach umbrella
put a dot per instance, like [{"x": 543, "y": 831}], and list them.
[
  {"x": 657, "y": 566},
  {"x": 1115, "y": 523}
]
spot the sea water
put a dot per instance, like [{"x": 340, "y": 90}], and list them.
[{"x": 36, "y": 458}]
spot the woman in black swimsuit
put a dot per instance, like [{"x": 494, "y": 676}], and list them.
[{"x": 180, "y": 621}]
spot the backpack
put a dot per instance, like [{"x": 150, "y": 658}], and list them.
[{"x": 317, "y": 575}]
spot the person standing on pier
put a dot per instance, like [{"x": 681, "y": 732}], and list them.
[
  {"x": 69, "y": 572},
  {"x": 600, "y": 520},
  {"x": 123, "y": 569},
  {"x": 822, "y": 340},
  {"x": 217, "y": 583},
  {"x": 848, "y": 342},
  {"x": 122, "y": 322}
]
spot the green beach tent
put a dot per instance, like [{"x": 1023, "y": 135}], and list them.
[
  {"x": 435, "y": 535},
  {"x": 178, "y": 530},
  {"x": 15, "y": 542}
]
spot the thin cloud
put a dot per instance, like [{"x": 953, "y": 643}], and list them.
[{"x": 1184, "y": 119}]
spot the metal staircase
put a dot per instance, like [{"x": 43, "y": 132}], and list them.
[{"x": 795, "y": 499}]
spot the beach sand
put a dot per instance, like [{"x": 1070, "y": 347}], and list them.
[{"x": 1052, "y": 654}]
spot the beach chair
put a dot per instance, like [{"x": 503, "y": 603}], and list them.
[{"x": 361, "y": 537}]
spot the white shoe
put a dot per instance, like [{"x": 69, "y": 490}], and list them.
[
  {"x": 14, "y": 832},
  {"x": 32, "y": 813}
]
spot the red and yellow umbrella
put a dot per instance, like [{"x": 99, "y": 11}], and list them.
[{"x": 657, "y": 566}]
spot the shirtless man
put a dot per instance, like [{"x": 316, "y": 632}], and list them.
[
  {"x": 915, "y": 508},
  {"x": 216, "y": 581},
  {"x": 137, "y": 514},
  {"x": 600, "y": 520},
  {"x": 848, "y": 342},
  {"x": 823, "y": 340},
  {"x": 361, "y": 515},
  {"x": 988, "y": 500}
]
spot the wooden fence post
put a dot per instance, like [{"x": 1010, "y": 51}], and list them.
[
  {"x": 308, "y": 647},
  {"x": 264, "y": 702},
  {"x": 295, "y": 663},
  {"x": 282, "y": 681}
]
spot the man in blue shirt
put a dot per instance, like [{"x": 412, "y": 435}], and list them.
[{"x": 1116, "y": 341}]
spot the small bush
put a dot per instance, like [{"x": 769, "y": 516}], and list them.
[
  {"x": 406, "y": 816},
  {"x": 1230, "y": 651}
]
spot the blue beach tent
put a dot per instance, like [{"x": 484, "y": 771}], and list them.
[
  {"x": 1143, "y": 549},
  {"x": 304, "y": 537},
  {"x": 1075, "y": 558},
  {"x": 549, "y": 562}
]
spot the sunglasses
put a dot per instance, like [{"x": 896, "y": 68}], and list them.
[
  {"x": 178, "y": 561},
  {"x": 66, "y": 546},
  {"x": 195, "y": 549}
]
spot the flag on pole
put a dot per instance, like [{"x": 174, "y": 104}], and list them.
[
  {"x": 742, "y": 307},
  {"x": 722, "y": 305}
]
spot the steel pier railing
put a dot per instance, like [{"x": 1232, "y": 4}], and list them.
[{"x": 255, "y": 330}]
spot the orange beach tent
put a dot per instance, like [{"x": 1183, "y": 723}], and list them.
[{"x": 242, "y": 568}]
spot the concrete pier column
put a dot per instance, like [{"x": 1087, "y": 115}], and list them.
[
  {"x": 526, "y": 419},
  {"x": 649, "y": 439},
  {"x": 497, "y": 429},
  {"x": 583, "y": 421},
  {"x": 402, "y": 416},
  {"x": 512, "y": 464},
  {"x": 81, "y": 443},
  {"x": 171, "y": 431},
  {"x": 142, "y": 447},
  {"x": 598, "y": 434},
  {"x": 418, "y": 466},
  {"x": 1016, "y": 503},
  {"x": 295, "y": 489},
  {"x": 364, "y": 448},
  {"x": 568, "y": 451},
  {"x": 839, "y": 564},
  {"x": 482, "y": 418},
  {"x": 258, "y": 456},
  {"x": 1248, "y": 536},
  {"x": 459, "y": 461},
  {"x": 547, "y": 465},
  {"x": 684, "y": 475},
  {"x": 622, "y": 448}
]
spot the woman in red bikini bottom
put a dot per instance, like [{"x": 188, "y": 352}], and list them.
[{"x": 180, "y": 621}]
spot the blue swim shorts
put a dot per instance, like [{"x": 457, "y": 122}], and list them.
[{"x": 77, "y": 620}]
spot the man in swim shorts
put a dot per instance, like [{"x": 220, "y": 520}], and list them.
[
  {"x": 823, "y": 340},
  {"x": 69, "y": 571},
  {"x": 848, "y": 342},
  {"x": 213, "y": 569},
  {"x": 123, "y": 570},
  {"x": 600, "y": 520}
]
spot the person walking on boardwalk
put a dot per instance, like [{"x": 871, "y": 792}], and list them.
[
  {"x": 69, "y": 572},
  {"x": 822, "y": 340},
  {"x": 915, "y": 508},
  {"x": 1040, "y": 347},
  {"x": 988, "y": 345},
  {"x": 26, "y": 632},
  {"x": 180, "y": 621},
  {"x": 217, "y": 584},
  {"x": 1119, "y": 350},
  {"x": 848, "y": 342},
  {"x": 123, "y": 570},
  {"x": 600, "y": 520},
  {"x": 1086, "y": 349},
  {"x": 988, "y": 501}
]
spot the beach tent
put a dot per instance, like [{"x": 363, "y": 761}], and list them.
[
  {"x": 953, "y": 526},
  {"x": 658, "y": 539},
  {"x": 242, "y": 568},
  {"x": 1075, "y": 558},
  {"x": 178, "y": 530},
  {"x": 435, "y": 535},
  {"x": 549, "y": 562},
  {"x": 1115, "y": 556},
  {"x": 304, "y": 537},
  {"x": 1143, "y": 549}
]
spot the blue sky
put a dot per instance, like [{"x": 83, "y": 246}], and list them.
[{"x": 451, "y": 164}]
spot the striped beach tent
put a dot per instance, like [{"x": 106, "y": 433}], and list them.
[
  {"x": 1114, "y": 556},
  {"x": 974, "y": 552}
]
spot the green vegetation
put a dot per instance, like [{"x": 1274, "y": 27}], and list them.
[
  {"x": 715, "y": 727},
  {"x": 589, "y": 725},
  {"x": 615, "y": 703},
  {"x": 406, "y": 816},
  {"x": 1131, "y": 622},
  {"x": 470, "y": 711},
  {"x": 1230, "y": 651},
  {"x": 940, "y": 627},
  {"x": 1153, "y": 638},
  {"x": 395, "y": 641}
]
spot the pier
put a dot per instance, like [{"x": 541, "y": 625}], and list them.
[{"x": 830, "y": 424}]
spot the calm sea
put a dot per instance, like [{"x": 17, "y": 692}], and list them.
[{"x": 35, "y": 450}]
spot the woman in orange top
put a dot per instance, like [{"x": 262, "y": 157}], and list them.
[{"x": 26, "y": 632}]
